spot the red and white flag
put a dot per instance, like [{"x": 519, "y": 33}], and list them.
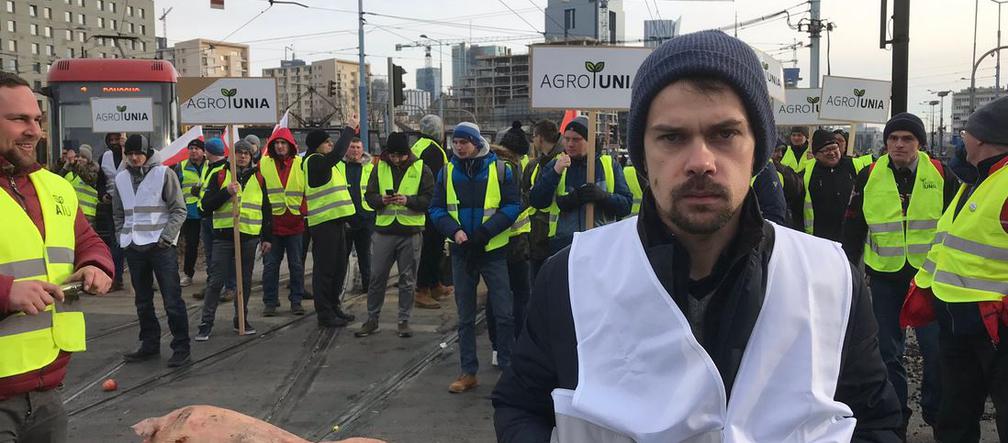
[
  {"x": 281, "y": 124},
  {"x": 178, "y": 149}
]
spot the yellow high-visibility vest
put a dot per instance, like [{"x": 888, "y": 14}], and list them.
[
  {"x": 329, "y": 201},
  {"x": 206, "y": 181},
  {"x": 283, "y": 198},
  {"x": 31, "y": 342},
  {"x": 409, "y": 186},
  {"x": 365, "y": 176},
  {"x": 797, "y": 164},
  {"x": 554, "y": 210},
  {"x": 191, "y": 178},
  {"x": 250, "y": 217},
  {"x": 630, "y": 174},
  {"x": 894, "y": 238},
  {"x": 421, "y": 145},
  {"x": 491, "y": 201},
  {"x": 87, "y": 195},
  {"x": 969, "y": 259}
]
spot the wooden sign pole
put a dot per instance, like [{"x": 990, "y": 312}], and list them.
[
  {"x": 590, "y": 177},
  {"x": 235, "y": 210},
  {"x": 851, "y": 136}
]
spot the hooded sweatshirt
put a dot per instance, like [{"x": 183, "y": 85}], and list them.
[
  {"x": 361, "y": 219},
  {"x": 171, "y": 194},
  {"x": 419, "y": 202},
  {"x": 287, "y": 223}
]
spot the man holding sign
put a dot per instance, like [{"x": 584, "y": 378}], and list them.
[{"x": 641, "y": 329}]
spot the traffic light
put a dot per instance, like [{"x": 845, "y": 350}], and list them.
[
  {"x": 332, "y": 88},
  {"x": 397, "y": 85}
]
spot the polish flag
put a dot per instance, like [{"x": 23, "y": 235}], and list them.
[
  {"x": 178, "y": 149},
  {"x": 281, "y": 124},
  {"x": 569, "y": 115}
]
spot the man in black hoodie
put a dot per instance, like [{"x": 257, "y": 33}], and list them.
[
  {"x": 828, "y": 187},
  {"x": 546, "y": 141}
]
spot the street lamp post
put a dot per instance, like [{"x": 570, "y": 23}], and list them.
[
  {"x": 441, "y": 74},
  {"x": 997, "y": 70},
  {"x": 976, "y": 64},
  {"x": 933, "y": 103}
]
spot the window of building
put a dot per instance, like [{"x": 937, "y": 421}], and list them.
[
  {"x": 68, "y": 34},
  {"x": 99, "y": 5},
  {"x": 70, "y": 52},
  {"x": 129, "y": 10},
  {"x": 34, "y": 48},
  {"x": 37, "y": 67},
  {"x": 47, "y": 13},
  {"x": 10, "y": 6},
  {"x": 143, "y": 46},
  {"x": 12, "y": 65},
  {"x": 48, "y": 31},
  {"x": 32, "y": 11},
  {"x": 99, "y": 41},
  {"x": 113, "y": 24},
  {"x": 33, "y": 29},
  {"x": 67, "y": 16},
  {"x": 569, "y": 18},
  {"x": 81, "y": 19},
  {"x": 112, "y": 7},
  {"x": 80, "y": 3},
  {"x": 50, "y": 50},
  {"x": 38, "y": 84},
  {"x": 140, "y": 12},
  {"x": 112, "y": 42},
  {"x": 80, "y": 37},
  {"x": 101, "y": 22},
  {"x": 12, "y": 45},
  {"x": 143, "y": 29},
  {"x": 131, "y": 29},
  {"x": 11, "y": 26}
]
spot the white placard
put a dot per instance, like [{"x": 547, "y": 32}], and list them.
[
  {"x": 773, "y": 71},
  {"x": 855, "y": 100},
  {"x": 122, "y": 114},
  {"x": 566, "y": 77},
  {"x": 229, "y": 101},
  {"x": 800, "y": 109}
]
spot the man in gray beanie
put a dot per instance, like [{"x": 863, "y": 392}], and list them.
[
  {"x": 431, "y": 286},
  {"x": 700, "y": 296}
]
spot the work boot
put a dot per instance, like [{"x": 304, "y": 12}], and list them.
[
  {"x": 423, "y": 300},
  {"x": 179, "y": 358},
  {"x": 270, "y": 311},
  {"x": 344, "y": 315},
  {"x": 185, "y": 281},
  {"x": 404, "y": 330},
  {"x": 369, "y": 327},
  {"x": 441, "y": 292},
  {"x": 228, "y": 296},
  {"x": 141, "y": 355},
  {"x": 465, "y": 382},
  {"x": 334, "y": 322},
  {"x": 296, "y": 309}
]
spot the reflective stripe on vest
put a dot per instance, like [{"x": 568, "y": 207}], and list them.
[
  {"x": 889, "y": 244},
  {"x": 409, "y": 187},
  {"x": 491, "y": 201},
  {"x": 206, "y": 181},
  {"x": 192, "y": 177},
  {"x": 30, "y": 342},
  {"x": 608, "y": 182},
  {"x": 969, "y": 259},
  {"x": 329, "y": 201},
  {"x": 250, "y": 218},
  {"x": 87, "y": 196},
  {"x": 630, "y": 174},
  {"x": 365, "y": 176},
  {"x": 146, "y": 214},
  {"x": 283, "y": 198}
]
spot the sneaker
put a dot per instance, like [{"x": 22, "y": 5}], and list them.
[
  {"x": 465, "y": 382},
  {"x": 179, "y": 358},
  {"x": 270, "y": 311},
  {"x": 249, "y": 330},
  {"x": 185, "y": 281},
  {"x": 141, "y": 355},
  {"x": 493, "y": 359},
  {"x": 228, "y": 296},
  {"x": 423, "y": 300},
  {"x": 344, "y": 315},
  {"x": 404, "y": 330},
  {"x": 296, "y": 309},
  {"x": 369, "y": 327},
  {"x": 204, "y": 333}
]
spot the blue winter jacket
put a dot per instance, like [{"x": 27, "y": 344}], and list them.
[
  {"x": 770, "y": 195},
  {"x": 470, "y": 181},
  {"x": 613, "y": 209}
]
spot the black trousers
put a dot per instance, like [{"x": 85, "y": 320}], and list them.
[
  {"x": 330, "y": 266},
  {"x": 431, "y": 257},
  {"x": 360, "y": 240},
  {"x": 972, "y": 368},
  {"x": 191, "y": 235},
  {"x": 161, "y": 264}
]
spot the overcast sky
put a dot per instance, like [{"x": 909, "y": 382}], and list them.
[{"x": 941, "y": 32}]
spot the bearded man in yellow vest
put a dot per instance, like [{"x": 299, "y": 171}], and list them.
[
  {"x": 432, "y": 285},
  {"x": 891, "y": 221},
  {"x": 399, "y": 190},
  {"x": 964, "y": 282},
  {"x": 47, "y": 242}
]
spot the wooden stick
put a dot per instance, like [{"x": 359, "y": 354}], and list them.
[
  {"x": 590, "y": 178},
  {"x": 235, "y": 209},
  {"x": 850, "y": 139}
]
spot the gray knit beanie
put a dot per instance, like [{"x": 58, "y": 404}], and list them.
[
  {"x": 706, "y": 54},
  {"x": 988, "y": 124},
  {"x": 430, "y": 125}
]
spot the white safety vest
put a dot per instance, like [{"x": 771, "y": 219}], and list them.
[
  {"x": 110, "y": 170},
  {"x": 644, "y": 378},
  {"x": 146, "y": 214}
]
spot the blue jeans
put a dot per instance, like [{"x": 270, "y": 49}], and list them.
[
  {"x": 162, "y": 264},
  {"x": 466, "y": 272},
  {"x": 521, "y": 287},
  {"x": 887, "y": 300},
  {"x": 206, "y": 236},
  {"x": 291, "y": 246}
]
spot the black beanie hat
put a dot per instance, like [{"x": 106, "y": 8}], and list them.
[
  {"x": 706, "y": 54},
  {"x": 799, "y": 130},
  {"x": 315, "y": 138},
  {"x": 579, "y": 125},
  {"x": 515, "y": 139},
  {"x": 197, "y": 143},
  {"x": 987, "y": 124},
  {"x": 397, "y": 144},
  {"x": 821, "y": 139},
  {"x": 906, "y": 121},
  {"x": 137, "y": 143}
]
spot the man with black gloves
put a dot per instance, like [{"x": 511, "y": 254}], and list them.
[
  {"x": 254, "y": 220},
  {"x": 828, "y": 187},
  {"x": 698, "y": 320},
  {"x": 329, "y": 206},
  {"x": 430, "y": 287},
  {"x": 149, "y": 210},
  {"x": 547, "y": 145},
  {"x": 561, "y": 188},
  {"x": 891, "y": 220}
]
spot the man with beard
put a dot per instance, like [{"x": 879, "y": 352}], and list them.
[
  {"x": 828, "y": 187},
  {"x": 547, "y": 145},
  {"x": 284, "y": 180},
  {"x": 191, "y": 172},
  {"x": 111, "y": 164},
  {"x": 698, "y": 320}
]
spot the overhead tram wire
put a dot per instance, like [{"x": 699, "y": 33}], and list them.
[
  {"x": 547, "y": 15},
  {"x": 248, "y": 22},
  {"x": 522, "y": 18}
]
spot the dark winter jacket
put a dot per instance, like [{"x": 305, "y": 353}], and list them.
[
  {"x": 545, "y": 355},
  {"x": 320, "y": 170},
  {"x": 572, "y": 218},
  {"x": 770, "y": 195},
  {"x": 470, "y": 180},
  {"x": 217, "y": 195},
  {"x": 361, "y": 219},
  {"x": 539, "y": 237},
  {"x": 419, "y": 202},
  {"x": 433, "y": 157},
  {"x": 831, "y": 190},
  {"x": 519, "y": 244},
  {"x": 794, "y": 195}
]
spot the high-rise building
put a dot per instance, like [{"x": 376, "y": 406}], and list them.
[
  {"x": 416, "y": 101},
  {"x": 305, "y": 90},
  {"x": 464, "y": 59},
  {"x": 657, "y": 32},
  {"x": 961, "y": 105},
  {"x": 599, "y": 20},
  {"x": 209, "y": 58},
  {"x": 34, "y": 33},
  {"x": 429, "y": 79}
]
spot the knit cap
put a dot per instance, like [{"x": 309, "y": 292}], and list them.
[
  {"x": 214, "y": 146},
  {"x": 515, "y": 140},
  {"x": 906, "y": 121},
  {"x": 988, "y": 124},
  {"x": 580, "y": 126},
  {"x": 471, "y": 132}
]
